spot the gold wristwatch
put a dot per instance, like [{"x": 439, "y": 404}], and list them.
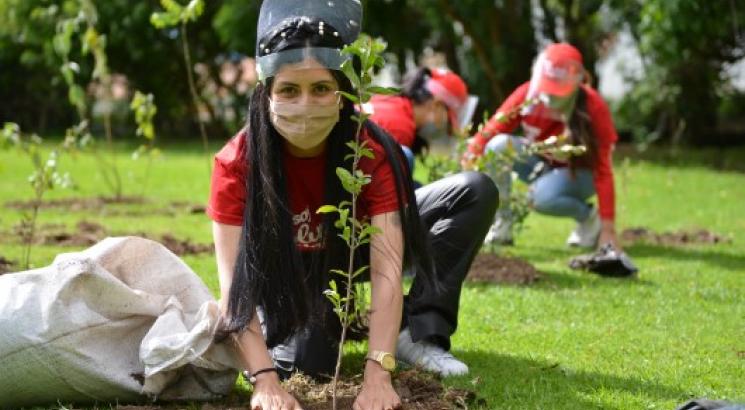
[{"x": 385, "y": 359}]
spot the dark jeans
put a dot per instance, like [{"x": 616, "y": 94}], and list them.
[{"x": 457, "y": 211}]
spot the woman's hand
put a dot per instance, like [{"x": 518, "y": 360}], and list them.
[
  {"x": 377, "y": 390},
  {"x": 468, "y": 162},
  {"x": 608, "y": 235},
  {"x": 269, "y": 395}
]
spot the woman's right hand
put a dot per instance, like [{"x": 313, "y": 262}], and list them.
[
  {"x": 468, "y": 162},
  {"x": 269, "y": 395}
]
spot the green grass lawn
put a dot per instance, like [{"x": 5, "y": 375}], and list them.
[{"x": 571, "y": 341}]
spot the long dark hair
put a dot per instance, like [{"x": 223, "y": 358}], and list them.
[
  {"x": 414, "y": 88},
  {"x": 580, "y": 125},
  {"x": 270, "y": 272}
]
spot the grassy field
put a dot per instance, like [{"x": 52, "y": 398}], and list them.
[{"x": 571, "y": 341}]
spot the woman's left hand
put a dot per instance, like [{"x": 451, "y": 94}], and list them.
[{"x": 377, "y": 390}]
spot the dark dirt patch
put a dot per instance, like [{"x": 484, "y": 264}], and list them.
[
  {"x": 88, "y": 233},
  {"x": 184, "y": 246},
  {"x": 417, "y": 390},
  {"x": 491, "y": 268},
  {"x": 188, "y": 207},
  {"x": 79, "y": 204},
  {"x": 98, "y": 204},
  {"x": 6, "y": 265},
  {"x": 677, "y": 238}
]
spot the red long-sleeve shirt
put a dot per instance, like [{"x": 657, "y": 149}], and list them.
[{"x": 540, "y": 128}]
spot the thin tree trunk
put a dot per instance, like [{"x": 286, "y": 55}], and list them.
[
  {"x": 195, "y": 96},
  {"x": 480, "y": 50}
]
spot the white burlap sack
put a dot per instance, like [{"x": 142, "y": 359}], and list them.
[{"x": 125, "y": 320}]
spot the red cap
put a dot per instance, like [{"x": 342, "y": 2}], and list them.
[
  {"x": 448, "y": 87},
  {"x": 560, "y": 69},
  {"x": 563, "y": 52}
]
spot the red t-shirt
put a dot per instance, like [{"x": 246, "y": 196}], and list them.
[
  {"x": 540, "y": 128},
  {"x": 305, "y": 187},
  {"x": 395, "y": 114}
]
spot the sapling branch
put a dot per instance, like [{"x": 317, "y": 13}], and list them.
[{"x": 354, "y": 231}]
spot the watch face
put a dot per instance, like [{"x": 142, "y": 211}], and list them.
[{"x": 388, "y": 362}]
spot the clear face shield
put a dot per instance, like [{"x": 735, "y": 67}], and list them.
[
  {"x": 327, "y": 26},
  {"x": 459, "y": 112},
  {"x": 553, "y": 88},
  {"x": 466, "y": 111}
]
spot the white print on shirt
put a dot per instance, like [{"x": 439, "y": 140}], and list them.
[{"x": 305, "y": 238}]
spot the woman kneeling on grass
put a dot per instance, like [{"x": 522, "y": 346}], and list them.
[
  {"x": 557, "y": 100},
  {"x": 274, "y": 251}
]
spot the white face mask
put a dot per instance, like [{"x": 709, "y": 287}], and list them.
[{"x": 304, "y": 126}]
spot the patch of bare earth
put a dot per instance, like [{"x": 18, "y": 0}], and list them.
[
  {"x": 183, "y": 247},
  {"x": 100, "y": 205},
  {"x": 88, "y": 233},
  {"x": 6, "y": 265},
  {"x": 78, "y": 204},
  {"x": 676, "y": 238},
  {"x": 491, "y": 268},
  {"x": 417, "y": 390},
  {"x": 188, "y": 207}
]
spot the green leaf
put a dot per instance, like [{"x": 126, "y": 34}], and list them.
[
  {"x": 327, "y": 209},
  {"x": 193, "y": 10},
  {"x": 348, "y": 69},
  {"x": 383, "y": 90},
  {"x": 343, "y": 216},
  {"x": 164, "y": 20},
  {"x": 360, "y": 271},
  {"x": 347, "y": 235},
  {"x": 351, "y": 97},
  {"x": 366, "y": 152},
  {"x": 347, "y": 180},
  {"x": 338, "y": 272}
]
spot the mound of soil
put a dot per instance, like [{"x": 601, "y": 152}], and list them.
[
  {"x": 491, "y": 268},
  {"x": 183, "y": 247},
  {"x": 677, "y": 238},
  {"x": 417, "y": 390},
  {"x": 86, "y": 234},
  {"x": 6, "y": 265}
]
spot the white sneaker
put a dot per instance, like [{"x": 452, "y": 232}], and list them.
[
  {"x": 587, "y": 232},
  {"x": 283, "y": 354},
  {"x": 428, "y": 356},
  {"x": 500, "y": 233}
]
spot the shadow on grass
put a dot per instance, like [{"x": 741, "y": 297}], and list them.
[
  {"x": 726, "y": 159},
  {"x": 717, "y": 257},
  {"x": 529, "y": 383}
]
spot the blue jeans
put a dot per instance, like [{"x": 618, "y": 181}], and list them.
[
  {"x": 553, "y": 191},
  {"x": 409, "y": 154}
]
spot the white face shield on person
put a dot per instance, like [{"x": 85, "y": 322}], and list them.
[
  {"x": 305, "y": 37},
  {"x": 326, "y": 26},
  {"x": 450, "y": 90},
  {"x": 553, "y": 88}
]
